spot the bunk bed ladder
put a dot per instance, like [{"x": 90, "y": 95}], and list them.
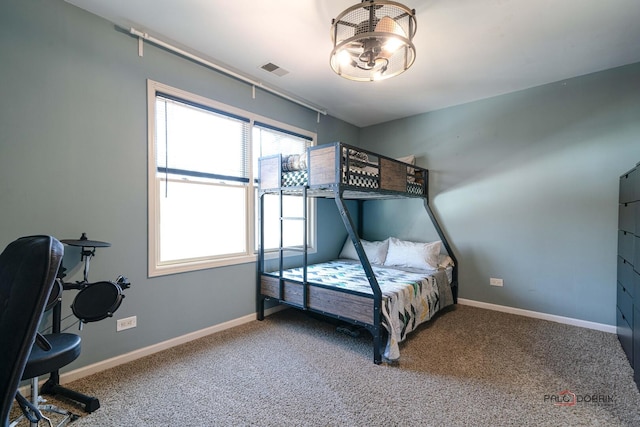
[{"x": 303, "y": 250}]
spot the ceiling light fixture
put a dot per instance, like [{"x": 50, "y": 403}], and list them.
[{"x": 373, "y": 40}]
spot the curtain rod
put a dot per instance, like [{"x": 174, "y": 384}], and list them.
[{"x": 254, "y": 83}]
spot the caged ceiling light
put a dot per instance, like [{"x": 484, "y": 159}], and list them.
[{"x": 373, "y": 40}]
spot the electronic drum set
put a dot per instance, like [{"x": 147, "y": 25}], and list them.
[{"x": 94, "y": 302}]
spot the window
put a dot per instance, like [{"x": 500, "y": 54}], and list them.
[{"x": 203, "y": 159}]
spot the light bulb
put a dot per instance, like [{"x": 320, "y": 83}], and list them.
[
  {"x": 388, "y": 25},
  {"x": 344, "y": 58},
  {"x": 391, "y": 45}
]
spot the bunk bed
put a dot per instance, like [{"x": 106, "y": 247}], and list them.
[{"x": 389, "y": 299}]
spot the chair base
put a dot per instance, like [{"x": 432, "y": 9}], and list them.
[
  {"x": 68, "y": 416},
  {"x": 36, "y": 401}
]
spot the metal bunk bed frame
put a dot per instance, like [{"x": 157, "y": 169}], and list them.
[{"x": 336, "y": 190}]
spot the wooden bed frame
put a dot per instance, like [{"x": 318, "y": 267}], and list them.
[{"x": 329, "y": 169}]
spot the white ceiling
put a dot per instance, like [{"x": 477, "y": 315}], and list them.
[{"x": 466, "y": 49}]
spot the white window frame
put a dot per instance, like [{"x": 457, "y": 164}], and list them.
[{"x": 155, "y": 266}]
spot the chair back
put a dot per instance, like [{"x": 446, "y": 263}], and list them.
[{"x": 28, "y": 269}]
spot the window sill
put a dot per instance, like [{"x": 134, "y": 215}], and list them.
[{"x": 184, "y": 267}]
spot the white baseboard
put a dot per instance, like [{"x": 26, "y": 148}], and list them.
[
  {"x": 85, "y": 371},
  {"x": 537, "y": 315}
]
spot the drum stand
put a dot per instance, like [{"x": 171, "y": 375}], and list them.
[
  {"x": 85, "y": 255},
  {"x": 53, "y": 387}
]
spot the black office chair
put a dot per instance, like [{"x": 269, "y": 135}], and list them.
[{"x": 28, "y": 268}]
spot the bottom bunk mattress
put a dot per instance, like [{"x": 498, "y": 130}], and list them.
[{"x": 409, "y": 296}]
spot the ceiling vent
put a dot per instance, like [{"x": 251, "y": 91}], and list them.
[{"x": 274, "y": 69}]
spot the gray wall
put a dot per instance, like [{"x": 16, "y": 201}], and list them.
[
  {"x": 73, "y": 159},
  {"x": 526, "y": 187}
]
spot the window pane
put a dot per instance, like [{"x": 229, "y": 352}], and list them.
[
  {"x": 201, "y": 220},
  {"x": 293, "y": 229},
  {"x": 195, "y": 139},
  {"x": 267, "y": 142}
]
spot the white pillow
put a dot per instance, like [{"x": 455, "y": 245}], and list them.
[
  {"x": 445, "y": 261},
  {"x": 376, "y": 251},
  {"x": 403, "y": 253},
  {"x": 411, "y": 159}
]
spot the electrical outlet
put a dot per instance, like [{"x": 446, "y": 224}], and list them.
[
  {"x": 126, "y": 323},
  {"x": 495, "y": 282}
]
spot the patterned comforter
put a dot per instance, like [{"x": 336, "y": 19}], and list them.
[{"x": 409, "y": 298}]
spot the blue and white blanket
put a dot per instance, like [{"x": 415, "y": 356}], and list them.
[{"x": 409, "y": 298}]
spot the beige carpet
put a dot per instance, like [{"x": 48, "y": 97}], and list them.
[{"x": 467, "y": 367}]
